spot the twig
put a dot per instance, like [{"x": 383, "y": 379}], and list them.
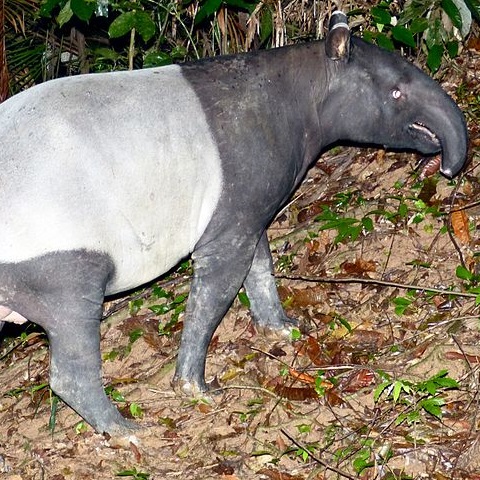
[
  {"x": 131, "y": 49},
  {"x": 373, "y": 281},
  {"x": 318, "y": 460}
]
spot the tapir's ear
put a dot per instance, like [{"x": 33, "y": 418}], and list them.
[{"x": 337, "y": 44}]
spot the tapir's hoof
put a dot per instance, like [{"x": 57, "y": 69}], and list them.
[
  {"x": 120, "y": 428},
  {"x": 123, "y": 441},
  {"x": 278, "y": 329},
  {"x": 194, "y": 390},
  {"x": 122, "y": 434}
]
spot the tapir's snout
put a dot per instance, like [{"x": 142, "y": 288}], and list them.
[
  {"x": 442, "y": 129},
  {"x": 454, "y": 149}
]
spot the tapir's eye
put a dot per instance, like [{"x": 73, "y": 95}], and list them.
[{"x": 396, "y": 93}]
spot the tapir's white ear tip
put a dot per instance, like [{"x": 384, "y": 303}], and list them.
[{"x": 338, "y": 19}]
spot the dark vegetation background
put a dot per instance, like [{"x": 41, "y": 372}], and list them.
[
  {"x": 45, "y": 39},
  {"x": 377, "y": 255}
]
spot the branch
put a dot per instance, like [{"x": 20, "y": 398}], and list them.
[{"x": 373, "y": 281}]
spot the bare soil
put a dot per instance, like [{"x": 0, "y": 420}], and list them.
[{"x": 283, "y": 399}]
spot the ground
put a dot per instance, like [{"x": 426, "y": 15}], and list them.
[{"x": 361, "y": 391}]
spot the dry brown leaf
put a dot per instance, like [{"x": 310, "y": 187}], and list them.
[
  {"x": 357, "y": 380},
  {"x": 459, "y": 221},
  {"x": 301, "y": 376},
  {"x": 474, "y": 43},
  {"x": 462, "y": 356},
  {"x": 277, "y": 384},
  {"x": 359, "y": 266},
  {"x": 278, "y": 475}
]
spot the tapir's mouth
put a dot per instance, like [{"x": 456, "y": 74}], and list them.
[{"x": 421, "y": 132}]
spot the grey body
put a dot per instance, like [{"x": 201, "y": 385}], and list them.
[{"x": 108, "y": 180}]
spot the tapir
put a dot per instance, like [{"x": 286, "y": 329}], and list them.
[{"x": 108, "y": 180}]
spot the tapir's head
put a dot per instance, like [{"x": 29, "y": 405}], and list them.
[{"x": 378, "y": 97}]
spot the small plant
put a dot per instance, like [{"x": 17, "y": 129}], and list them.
[
  {"x": 81, "y": 427},
  {"x": 134, "y": 473},
  {"x": 136, "y": 410},
  {"x": 368, "y": 457},
  {"x": 416, "y": 397},
  {"x": 306, "y": 451},
  {"x": 114, "y": 394},
  {"x": 472, "y": 280},
  {"x": 404, "y": 304},
  {"x": 177, "y": 304},
  {"x": 348, "y": 228}
]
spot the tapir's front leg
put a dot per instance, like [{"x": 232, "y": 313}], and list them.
[
  {"x": 262, "y": 292},
  {"x": 219, "y": 274},
  {"x": 219, "y": 271}
]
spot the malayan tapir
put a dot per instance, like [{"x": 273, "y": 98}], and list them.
[{"x": 109, "y": 180}]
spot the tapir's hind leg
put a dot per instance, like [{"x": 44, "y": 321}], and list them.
[
  {"x": 63, "y": 293},
  {"x": 262, "y": 292}
]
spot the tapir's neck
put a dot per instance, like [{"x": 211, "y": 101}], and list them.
[{"x": 274, "y": 94}]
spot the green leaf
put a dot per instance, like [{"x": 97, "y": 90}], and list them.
[
  {"x": 344, "y": 323},
  {"x": 403, "y": 35},
  {"x": 160, "y": 292},
  {"x": 122, "y": 25},
  {"x": 435, "y": 33},
  {"x": 47, "y": 7},
  {"x": 380, "y": 389},
  {"x": 244, "y": 300},
  {"x": 137, "y": 19},
  {"x": 65, "y": 14},
  {"x": 474, "y": 7},
  {"x": 447, "y": 383},
  {"x": 361, "y": 462},
  {"x": 397, "y": 390},
  {"x": 156, "y": 59},
  {"x": 403, "y": 210},
  {"x": 418, "y": 25},
  {"x": 179, "y": 299},
  {"x": 453, "y": 13},
  {"x": 207, "y": 9},
  {"x": 83, "y": 9},
  {"x": 52, "y": 421},
  {"x": 266, "y": 24},
  {"x": 401, "y": 304},
  {"x": 452, "y": 49},
  {"x": 296, "y": 334},
  {"x": 385, "y": 42},
  {"x": 434, "y": 58},
  {"x": 367, "y": 224},
  {"x": 381, "y": 16},
  {"x": 463, "y": 273},
  {"x": 136, "y": 410},
  {"x": 144, "y": 24},
  {"x": 241, "y": 4},
  {"x": 433, "y": 406}
]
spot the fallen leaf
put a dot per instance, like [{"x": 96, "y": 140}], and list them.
[{"x": 459, "y": 221}]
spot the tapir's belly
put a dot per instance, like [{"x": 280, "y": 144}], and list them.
[{"x": 121, "y": 164}]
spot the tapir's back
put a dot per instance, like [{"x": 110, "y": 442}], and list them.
[{"x": 92, "y": 163}]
